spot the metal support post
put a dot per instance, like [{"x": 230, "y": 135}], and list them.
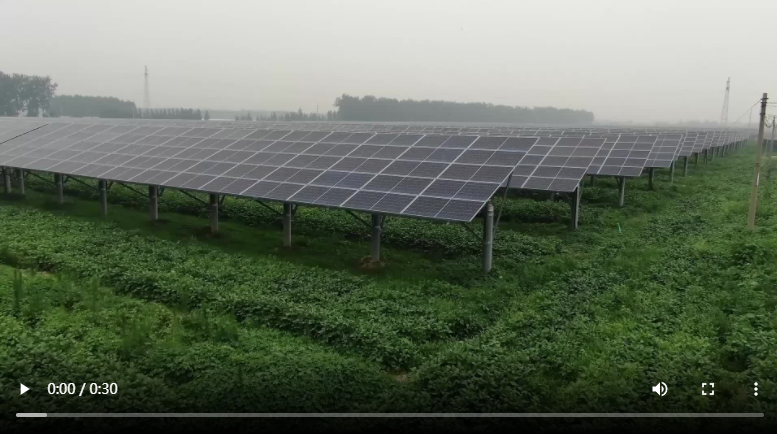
[
  {"x": 621, "y": 191},
  {"x": 287, "y": 224},
  {"x": 696, "y": 160},
  {"x": 575, "y": 204},
  {"x": 22, "y": 190},
  {"x": 153, "y": 199},
  {"x": 651, "y": 174},
  {"x": 60, "y": 188},
  {"x": 685, "y": 166},
  {"x": 671, "y": 171},
  {"x": 375, "y": 240},
  {"x": 6, "y": 181},
  {"x": 488, "y": 237},
  {"x": 102, "y": 187},
  {"x": 214, "y": 213},
  {"x": 592, "y": 180}
]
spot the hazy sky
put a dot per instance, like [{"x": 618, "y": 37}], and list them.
[{"x": 623, "y": 59}]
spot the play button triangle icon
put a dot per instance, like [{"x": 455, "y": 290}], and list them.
[{"x": 23, "y": 388}]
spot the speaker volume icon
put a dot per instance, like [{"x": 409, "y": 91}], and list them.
[{"x": 660, "y": 389}]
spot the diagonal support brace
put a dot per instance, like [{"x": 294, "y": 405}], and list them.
[
  {"x": 364, "y": 222},
  {"x": 186, "y": 193},
  {"x": 131, "y": 189},
  {"x": 41, "y": 178},
  {"x": 80, "y": 182},
  {"x": 269, "y": 207}
]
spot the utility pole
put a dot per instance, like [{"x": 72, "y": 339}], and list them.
[
  {"x": 724, "y": 112},
  {"x": 146, "y": 94},
  {"x": 757, "y": 174},
  {"x": 771, "y": 143}
]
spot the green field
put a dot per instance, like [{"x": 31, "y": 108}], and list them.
[{"x": 672, "y": 287}]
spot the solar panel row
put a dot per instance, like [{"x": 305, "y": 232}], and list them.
[
  {"x": 188, "y": 156},
  {"x": 439, "y": 177},
  {"x": 500, "y": 130}
]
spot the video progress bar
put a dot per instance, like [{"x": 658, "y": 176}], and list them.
[{"x": 400, "y": 415}]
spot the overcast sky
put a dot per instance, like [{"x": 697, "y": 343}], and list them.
[{"x": 623, "y": 59}]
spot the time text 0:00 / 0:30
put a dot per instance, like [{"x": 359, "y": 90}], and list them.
[{"x": 93, "y": 389}]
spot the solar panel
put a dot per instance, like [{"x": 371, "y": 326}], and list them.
[
  {"x": 709, "y": 140},
  {"x": 555, "y": 164},
  {"x": 688, "y": 144},
  {"x": 374, "y": 172},
  {"x": 664, "y": 151},
  {"x": 11, "y": 127},
  {"x": 627, "y": 157},
  {"x": 701, "y": 139}
]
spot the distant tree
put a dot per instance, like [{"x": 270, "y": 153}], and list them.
[
  {"x": 274, "y": 116},
  {"x": 207, "y": 115},
  {"x": 21, "y": 93}
]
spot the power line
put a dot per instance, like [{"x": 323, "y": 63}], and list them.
[{"x": 749, "y": 109}]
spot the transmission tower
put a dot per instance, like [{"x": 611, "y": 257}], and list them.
[
  {"x": 724, "y": 112},
  {"x": 146, "y": 94}
]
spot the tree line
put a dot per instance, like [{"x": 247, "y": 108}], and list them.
[
  {"x": 22, "y": 94},
  {"x": 34, "y": 95},
  {"x": 81, "y": 106},
  {"x": 299, "y": 115},
  {"x": 371, "y": 108},
  {"x": 172, "y": 113}
]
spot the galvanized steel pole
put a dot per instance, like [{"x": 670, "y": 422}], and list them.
[
  {"x": 488, "y": 237},
  {"x": 375, "y": 240},
  {"x": 6, "y": 181},
  {"x": 153, "y": 199},
  {"x": 575, "y": 203},
  {"x": 214, "y": 213},
  {"x": 287, "y": 224},
  {"x": 22, "y": 190},
  {"x": 101, "y": 185},
  {"x": 60, "y": 188}
]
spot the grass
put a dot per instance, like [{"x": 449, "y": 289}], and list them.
[{"x": 671, "y": 288}]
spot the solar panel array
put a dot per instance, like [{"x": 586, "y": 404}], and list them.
[
  {"x": 424, "y": 128},
  {"x": 319, "y": 167},
  {"x": 430, "y": 176}
]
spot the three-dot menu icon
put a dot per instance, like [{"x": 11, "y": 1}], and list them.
[{"x": 755, "y": 387}]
